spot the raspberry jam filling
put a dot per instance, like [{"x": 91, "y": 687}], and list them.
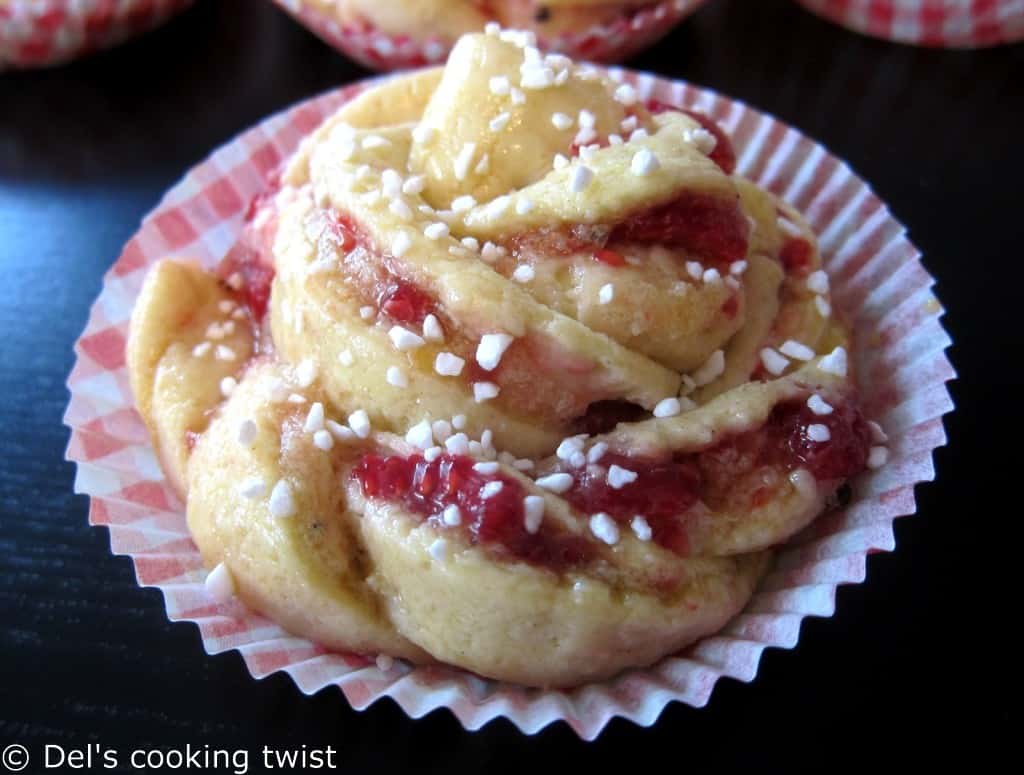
[
  {"x": 724, "y": 155},
  {"x": 496, "y": 522},
  {"x": 712, "y": 228},
  {"x": 796, "y": 256},
  {"x": 666, "y": 490}
]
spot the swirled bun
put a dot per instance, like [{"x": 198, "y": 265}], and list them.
[{"x": 512, "y": 372}]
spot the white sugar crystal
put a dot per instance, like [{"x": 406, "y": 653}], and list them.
[
  {"x": 644, "y": 163},
  {"x": 345, "y": 358},
  {"x": 457, "y": 444},
  {"x": 438, "y": 549},
  {"x": 626, "y": 95},
  {"x": 533, "y": 508},
  {"x": 499, "y": 85},
  {"x": 819, "y": 406},
  {"x": 523, "y": 274},
  {"x": 414, "y": 185},
  {"x": 281, "y": 504},
  {"x": 247, "y": 432},
  {"x": 314, "y": 419},
  {"x": 399, "y": 209},
  {"x": 463, "y": 161},
  {"x": 774, "y": 362},
  {"x": 252, "y": 487},
  {"x": 606, "y": 294},
  {"x": 491, "y": 348},
  {"x": 561, "y": 121},
  {"x": 436, "y": 231},
  {"x": 796, "y": 350},
  {"x": 220, "y": 584},
  {"x": 596, "y": 452},
  {"x": 835, "y": 362},
  {"x": 712, "y": 369},
  {"x": 452, "y": 515},
  {"x": 500, "y": 121},
  {"x": 463, "y": 203},
  {"x": 619, "y": 477},
  {"x": 491, "y": 489},
  {"x": 339, "y": 431},
  {"x": 448, "y": 365},
  {"x": 396, "y": 377},
  {"x": 421, "y": 435},
  {"x": 667, "y": 407},
  {"x": 224, "y": 353},
  {"x": 818, "y": 432},
  {"x": 817, "y": 282},
  {"x": 305, "y": 373},
  {"x": 641, "y": 529},
  {"x": 359, "y": 422},
  {"x": 227, "y": 386},
  {"x": 485, "y": 391},
  {"x": 558, "y": 483},
  {"x": 404, "y": 339},
  {"x": 322, "y": 439},
  {"x": 432, "y": 330},
  {"x": 581, "y": 178},
  {"x": 604, "y": 528}
]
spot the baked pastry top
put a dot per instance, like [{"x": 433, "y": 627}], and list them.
[{"x": 509, "y": 370}]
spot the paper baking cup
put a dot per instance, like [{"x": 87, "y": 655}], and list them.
[
  {"x": 939, "y": 23},
  {"x": 378, "y": 50},
  {"x": 877, "y": 279},
  {"x": 36, "y": 33}
]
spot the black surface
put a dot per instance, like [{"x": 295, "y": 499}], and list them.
[{"x": 916, "y": 663}]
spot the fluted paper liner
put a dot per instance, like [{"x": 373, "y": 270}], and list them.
[
  {"x": 935, "y": 23},
  {"x": 38, "y": 33},
  {"x": 378, "y": 50},
  {"x": 877, "y": 279}
]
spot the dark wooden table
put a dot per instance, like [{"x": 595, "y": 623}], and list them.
[{"x": 913, "y": 660}]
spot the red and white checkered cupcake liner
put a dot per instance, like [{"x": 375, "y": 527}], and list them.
[
  {"x": 378, "y": 50},
  {"x": 937, "y": 23},
  {"x": 37, "y": 33},
  {"x": 877, "y": 279}
]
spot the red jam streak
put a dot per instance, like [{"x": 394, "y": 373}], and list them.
[
  {"x": 796, "y": 256},
  {"x": 665, "y": 490},
  {"x": 247, "y": 261},
  {"x": 399, "y": 300},
  {"x": 249, "y": 258},
  {"x": 498, "y": 522},
  {"x": 404, "y": 302},
  {"x": 609, "y": 257},
  {"x": 710, "y": 227},
  {"x": 724, "y": 154}
]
